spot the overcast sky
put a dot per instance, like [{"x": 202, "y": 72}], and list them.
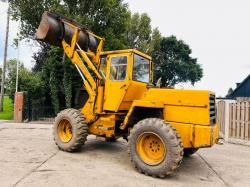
[
  {"x": 26, "y": 50},
  {"x": 218, "y": 32}
]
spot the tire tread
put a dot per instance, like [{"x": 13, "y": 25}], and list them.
[
  {"x": 80, "y": 127},
  {"x": 176, "y": 143}
]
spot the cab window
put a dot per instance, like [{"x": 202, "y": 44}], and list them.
[
  {"x": 141, "y": 69},
  {"x": 118, "y": 68}
]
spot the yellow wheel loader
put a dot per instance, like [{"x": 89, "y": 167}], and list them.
[{"x": 160, "y": 124}]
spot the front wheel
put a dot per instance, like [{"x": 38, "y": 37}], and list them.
[
  {"x": 155, "y": 147},
  {"x": 70, "y": 130}
]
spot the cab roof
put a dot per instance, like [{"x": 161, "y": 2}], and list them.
[{"x": 127, "y": 51}]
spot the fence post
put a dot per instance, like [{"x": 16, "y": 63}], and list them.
[{"x": 226, "y": 121}]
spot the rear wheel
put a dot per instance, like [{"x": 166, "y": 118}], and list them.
[
  {"x": 155, "y": 147},
  {"x": 70, "y": 130}
]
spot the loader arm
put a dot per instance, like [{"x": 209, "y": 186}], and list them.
[
  {"x": 84, "y": 61},
  {"x": 81, "y": 46}
]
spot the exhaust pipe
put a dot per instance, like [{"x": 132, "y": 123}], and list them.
[{"x": 53, "y": 29}]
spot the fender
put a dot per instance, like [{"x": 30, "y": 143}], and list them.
[{"x": 140, "y": 103}]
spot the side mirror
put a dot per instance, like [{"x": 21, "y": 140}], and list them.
[{"x": 158, "y": 83}]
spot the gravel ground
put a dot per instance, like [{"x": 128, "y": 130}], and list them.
[{"x": 29, "y": 157}]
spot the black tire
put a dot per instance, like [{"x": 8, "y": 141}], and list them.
[
  {"x": 79, "y": 130},
  {"x": 190, "y": 151},
  {"x": 171, "y": 140}
]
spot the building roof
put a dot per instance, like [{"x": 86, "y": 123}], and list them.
[{"x": 240, "y": 85}]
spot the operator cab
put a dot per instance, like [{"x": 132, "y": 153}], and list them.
[
  {"x": 120, "y": 60},
  {"x": 127, "y": 74}
]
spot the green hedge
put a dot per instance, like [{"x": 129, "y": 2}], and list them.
[{"x": 7, "y": 113}]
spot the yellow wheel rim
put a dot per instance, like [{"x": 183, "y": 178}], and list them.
[
  {"x": 151, "y": 149},
  {"x": 64, "y": 130}
]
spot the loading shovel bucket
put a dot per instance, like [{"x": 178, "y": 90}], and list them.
[{"x": 54, "y": 28}]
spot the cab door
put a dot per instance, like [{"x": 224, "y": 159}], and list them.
[{"x": 116, "y": 81}]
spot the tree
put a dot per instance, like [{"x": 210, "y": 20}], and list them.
[
  {"x": 52, "y": 74},
  {"x": 174, "y": 64},
  {"x": 61, "y": 79},
  {"x": 230, "y": 91},
  {"x": 108, "y": 18},
  {"x": 29, "y": 82},
  {"x": 139, "y": 32},
  {"x": 155, "y": 43}
]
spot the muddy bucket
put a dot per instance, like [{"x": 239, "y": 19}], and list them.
[{"x": 53, "y": 30}]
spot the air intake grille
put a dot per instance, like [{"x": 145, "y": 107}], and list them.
[{"x": 212, "y": 109}]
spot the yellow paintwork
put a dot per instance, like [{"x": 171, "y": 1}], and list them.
[
  {"x": 104, "y": 126},
  {"x": 99, "y": 101},
  {"x": 151, "y": 148},
  {"x": 118, "y": 52},
  {"x": 134, "y": 91},
  {"x": 110, "y": 101},
  {"x": 89, "y": 82},
  {"x": 125, "y": 91},
  {"x": 115, "y": 90},
  {"x": 186, "y": 106},
  {"x": 195, "y": 136},
  {"x": 64, "y": 131},
  {"x": 140, "y": 103}
]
